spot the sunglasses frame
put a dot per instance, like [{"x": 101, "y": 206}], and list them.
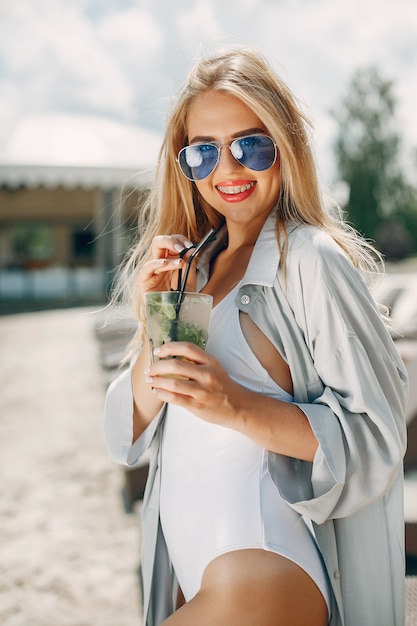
[{"x": 229, "y": 145}]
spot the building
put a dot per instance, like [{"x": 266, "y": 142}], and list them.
[{"x": 70, "y": 187}]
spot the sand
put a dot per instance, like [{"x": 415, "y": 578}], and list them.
[{"x": 68, "y": 551}]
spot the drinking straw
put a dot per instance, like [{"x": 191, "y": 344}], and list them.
[{"x": 182, "y": 282}]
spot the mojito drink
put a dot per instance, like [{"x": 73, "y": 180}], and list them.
[{"x": 171, "y": 316}]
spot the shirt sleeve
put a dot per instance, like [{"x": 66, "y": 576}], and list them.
[
  {"x": 118, "y": 423},
  {"x": 358, "y": 416}
]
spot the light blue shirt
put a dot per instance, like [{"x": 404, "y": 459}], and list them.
[{"x": 351, "y": 383}]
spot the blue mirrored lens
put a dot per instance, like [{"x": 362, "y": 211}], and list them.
[
  {"x": 198, "y": 161},
  {"x": 256, "y": 152}
]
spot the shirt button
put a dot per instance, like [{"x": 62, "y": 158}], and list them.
[
  {"x": 337, "y": 574},
  {"x": 245, "y": 299}
]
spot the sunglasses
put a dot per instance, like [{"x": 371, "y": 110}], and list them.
[{"x": 256, "y": 152}]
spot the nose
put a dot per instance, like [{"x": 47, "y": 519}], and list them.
[{"x": 227, "y": 161}]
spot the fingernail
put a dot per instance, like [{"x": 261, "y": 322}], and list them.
[
  {"x": 149, "y": 379},
  {"x": 146, "y": 370},
  {"x": 157, "y": 351},
  {"x": 188, "y": 243},
  {"x": 178, "y": 247},
  {"x": 177, "y": 261}
]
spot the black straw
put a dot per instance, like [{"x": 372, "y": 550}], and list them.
[{"x": 182, "y": 282}]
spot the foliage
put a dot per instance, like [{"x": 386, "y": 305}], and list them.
[{"x": 368, "y": 151}]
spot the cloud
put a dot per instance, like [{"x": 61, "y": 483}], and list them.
[
  {"x": 127, "y": 59},
  {"x": 54, "y": 59},
  {"x": 132, "y": 35},
  {"x": 198, "y": 24}
]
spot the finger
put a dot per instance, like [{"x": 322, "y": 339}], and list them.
[
  {"x": 173, "y": 396},
  {"x": 165, "y": 265},
  {"x": 185, "y": 349},
  {"x": 159, "y": 266},
  {"x": 169, "y": 245},
  {"x": 172, "y": 368},
  {"x": 182, "y": 392},
  {"x": 158, "y": 274},
  {"x": 178, "y": 385}
]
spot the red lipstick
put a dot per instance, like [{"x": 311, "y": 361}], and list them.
[{"x": 235, "y": 190}]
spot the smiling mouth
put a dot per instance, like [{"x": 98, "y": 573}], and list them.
[{"x": 236, "y": 189}]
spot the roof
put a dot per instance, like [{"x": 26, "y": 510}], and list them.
[{"x": 77, "y": 150}]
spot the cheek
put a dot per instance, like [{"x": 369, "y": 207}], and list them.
[
  {"x": 204, "y": 189},
  {"x": 275, "y": 179},
  {"x": 276, "y": 171}
]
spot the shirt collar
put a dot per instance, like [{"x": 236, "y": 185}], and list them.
[{"x": 265, "y": 258}]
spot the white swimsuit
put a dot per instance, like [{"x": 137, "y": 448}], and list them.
[{"x": 216, "y": 492}]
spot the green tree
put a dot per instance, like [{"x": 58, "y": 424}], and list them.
[{"x": 368, "y": 150}]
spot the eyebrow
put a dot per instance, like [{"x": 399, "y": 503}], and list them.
[{"x": 240, "y": 133}]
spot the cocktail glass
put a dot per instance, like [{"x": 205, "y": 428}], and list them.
[{"x": 170, "y": 318}]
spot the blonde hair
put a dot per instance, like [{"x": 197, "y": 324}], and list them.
[{"x": 174, "y": 204}]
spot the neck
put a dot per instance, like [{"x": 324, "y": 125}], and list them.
[{"x": 242, "y": 235}]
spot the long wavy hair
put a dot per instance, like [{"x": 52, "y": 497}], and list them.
[{"x": 174, "y": 204}]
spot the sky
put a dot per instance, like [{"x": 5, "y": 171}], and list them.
[{"x": 125, "y": 59}]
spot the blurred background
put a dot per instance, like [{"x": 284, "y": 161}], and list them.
[
  {"x": 84, "y": 91},
  {"x": 85, "y": 87}
]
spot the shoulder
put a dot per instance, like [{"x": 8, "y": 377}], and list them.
[
  {"x": 313, "y": 244},
  {"x": 313, "y": 255},
  {"x": 322, "y": 282}
]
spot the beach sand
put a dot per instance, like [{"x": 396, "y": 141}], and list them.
[{"x": 69, "y": 553}]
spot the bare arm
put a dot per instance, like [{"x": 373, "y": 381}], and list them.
[{"x": 278, "y": 426}]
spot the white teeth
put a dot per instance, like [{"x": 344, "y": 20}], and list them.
[{"x": 233, "y": 190}]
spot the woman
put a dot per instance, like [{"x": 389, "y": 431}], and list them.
[{"x": 275, "y": 487}]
